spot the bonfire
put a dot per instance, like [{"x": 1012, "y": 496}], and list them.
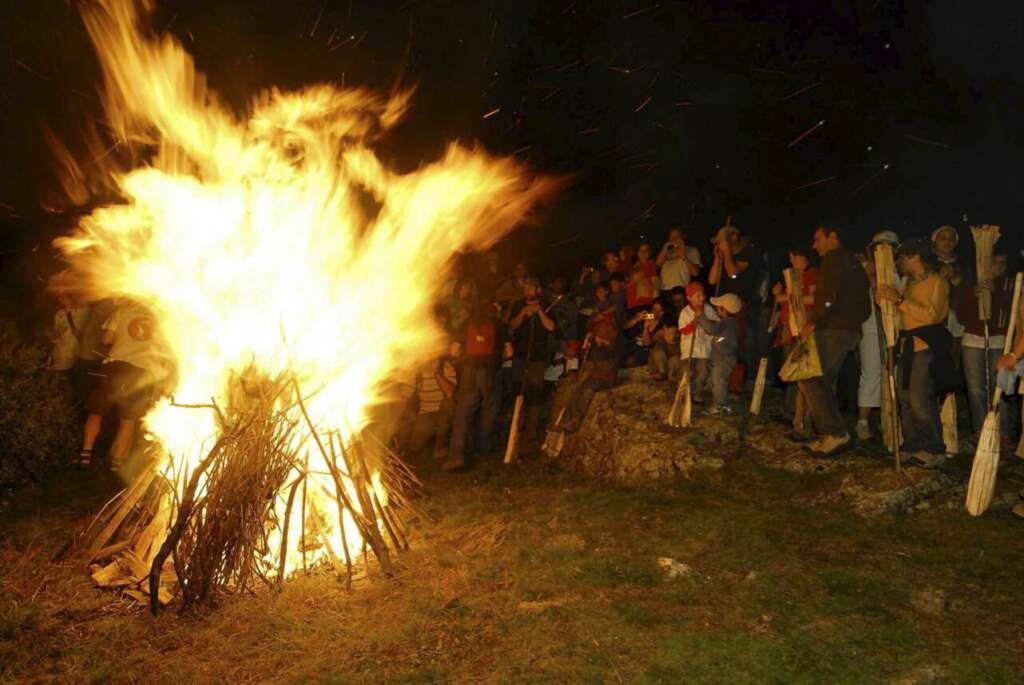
[{"x": 293, "y": 276}]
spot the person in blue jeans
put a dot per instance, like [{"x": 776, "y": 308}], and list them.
[
  {"x": 724, "y": 349},
  {"x": 974, "y": 341}
]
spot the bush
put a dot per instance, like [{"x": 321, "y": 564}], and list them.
[{"x": 39, "y": 421}]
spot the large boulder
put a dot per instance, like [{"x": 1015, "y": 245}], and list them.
[{"x": 624, "y": 439}]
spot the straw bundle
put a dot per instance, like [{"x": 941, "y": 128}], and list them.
[
  {"x": 985, "y": 238},
  {"x": 885, "y": 275}
]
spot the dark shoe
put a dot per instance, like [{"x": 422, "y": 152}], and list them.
[
  {"x": 453, "y": 464},
  {"x": 928, "y": 460},
  {"x": 802, "y": 438}
]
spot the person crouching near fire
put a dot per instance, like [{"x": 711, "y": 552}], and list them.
[
  {"x": 925, "y": 356},
  {"x": 694, "y": 341},
  {"x": 724, "y": 332},
  {"x": 136, "y": 367}
]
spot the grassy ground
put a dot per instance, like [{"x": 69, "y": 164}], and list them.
[{"x": 529, "y": 574}]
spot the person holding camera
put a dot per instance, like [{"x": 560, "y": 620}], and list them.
[{"x": 678, "y": 262}]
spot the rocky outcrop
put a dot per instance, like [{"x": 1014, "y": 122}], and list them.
[{"x": 624, "y": 439}]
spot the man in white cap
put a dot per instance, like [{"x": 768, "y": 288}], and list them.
[
  {"x": 724, "y": 348},
  {"x": 869, "y": 388}
]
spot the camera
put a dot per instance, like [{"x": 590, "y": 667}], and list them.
[{"x": 649, "y": 316}]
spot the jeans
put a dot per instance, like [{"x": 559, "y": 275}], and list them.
[
  {"x": 819, "y": 393},
  {"x": 476, "y": 392},
  {"x": 663, "y": 365},
  {"x": 978, "y": 393},
  {"x": 919, "y": 409},
  {"x": 700, "y": 370},
  {"x": 721, "y": 369}
]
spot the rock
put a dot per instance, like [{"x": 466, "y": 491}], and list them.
[
  {"x": 572, "y": 543},
  {"x": 929, "y": 601},
  {"x": 673, "y": 568},
  {"x": 751, "y": 576},
  {"x": 883, "y": 490}
]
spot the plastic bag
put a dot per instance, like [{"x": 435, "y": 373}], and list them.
[{"x": 803, "y": 362}]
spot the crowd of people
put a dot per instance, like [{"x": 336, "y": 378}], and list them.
[
  {"x": 706, "y": 319},
  {"x": 715, "y": 316}
]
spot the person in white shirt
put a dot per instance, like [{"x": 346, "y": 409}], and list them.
[
  {"x": 678, "y": 262},
  {"x": 694, "y": 341}
]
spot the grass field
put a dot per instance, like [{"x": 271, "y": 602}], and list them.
[{"x": 532, "y": 575}]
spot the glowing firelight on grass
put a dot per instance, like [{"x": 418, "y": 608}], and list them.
[{"x": 277, "y": 241}]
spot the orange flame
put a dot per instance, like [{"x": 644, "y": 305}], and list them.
[{"x": 279, "y": 240}]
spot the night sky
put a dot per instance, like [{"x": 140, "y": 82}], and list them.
[{"x": 665, "y": 112}]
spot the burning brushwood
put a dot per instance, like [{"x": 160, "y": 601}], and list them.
[{"x": 250, "y": 240}]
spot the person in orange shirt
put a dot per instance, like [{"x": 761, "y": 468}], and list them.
[{"x": 925, "y": 354}]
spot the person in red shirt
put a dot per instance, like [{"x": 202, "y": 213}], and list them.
[
  {"x": 642, "y": 287},
  {"x": 800, "y": 259}
]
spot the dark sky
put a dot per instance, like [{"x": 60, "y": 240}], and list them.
[{"x": 667, "y": 112}]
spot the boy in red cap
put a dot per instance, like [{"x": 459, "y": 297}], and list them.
[{"x": 694, "y": 341}]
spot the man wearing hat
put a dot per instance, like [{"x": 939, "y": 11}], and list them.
[
  {"x": 945, "y": 240},
  {"x": 925, "y": 350},
  {"x": 531, "y": 327}
]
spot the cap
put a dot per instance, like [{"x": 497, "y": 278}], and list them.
[
  {"x": 889, "y": 237},
  {"x": 729, "y": 302},
  {"x": 940, "y": 229},
  {"x": 694, "y": 287}
]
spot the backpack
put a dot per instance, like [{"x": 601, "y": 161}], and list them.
[{"x": 480, "y": 338}]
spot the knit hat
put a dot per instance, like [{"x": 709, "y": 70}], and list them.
[
  {"x": 694, "y": 287},
  {"x": 940, "y": 229},
  {"x": 729, "y": 302},
  {"x": 889, "y": 237}
]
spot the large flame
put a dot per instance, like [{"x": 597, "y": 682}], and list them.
[{"x": 278, "y": 241}]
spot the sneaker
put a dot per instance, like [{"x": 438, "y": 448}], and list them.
[
  {"x": 830, "y": 445},
  {"x": 712, "y": 411},
  {"x": 863, "y": 430}
]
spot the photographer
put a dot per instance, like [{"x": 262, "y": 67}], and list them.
[{"x": 679, "y": 262}]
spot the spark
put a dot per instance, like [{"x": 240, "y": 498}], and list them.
[
  {"x": 806, "y": 133},
  {"x": 29, "y": 69},
  {"x": 316, "y": 24},
  {"x": 569, "y": 6},
  {"x": 871, "y": 178},
  {"x": 587, "y": 130},
  {"x": 550, "y": 95},
  {"x": 636, "y": 13},
  {"x": 927, "y": 142},
  {"x": 522, "y": 149},
  {"x": 802, "y": 90},
  {"x": 492, "y": 112},
  {"x": 643, "y": 104},
  {"x": 359, "y": 40},
  {"x": 816, "y": 183},
  {"x": 621, "y": 70},
  {"x": 684, "y": 103}
]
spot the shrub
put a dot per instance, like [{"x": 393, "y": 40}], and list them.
[{"x": 39, "y": 420}]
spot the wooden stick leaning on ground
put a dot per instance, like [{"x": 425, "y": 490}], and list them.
[
  {"x": 796, "y": 321},
  {"x": 512, "y": 447},
  {"x": 762, "y": 371},
  {"x": 554, "y": 439},
  {"x": 986, "y": 458},
  {"x": 885, "y": 274},
  {"x": 683, "y": 403}
]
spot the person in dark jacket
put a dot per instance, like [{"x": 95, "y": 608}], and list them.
[{"x": 841, "y": 304}]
